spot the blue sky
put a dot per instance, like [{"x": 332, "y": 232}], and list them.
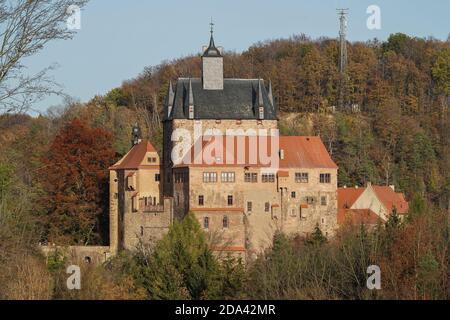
[{"x": 118, "y": 38}]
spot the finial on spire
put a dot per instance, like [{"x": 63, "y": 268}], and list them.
[{"x": 211, "y": 26}]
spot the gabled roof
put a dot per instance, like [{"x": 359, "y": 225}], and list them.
[
  {"x": 391, "y": 199},
  {"x": 238, "y": 100},
  {"x": 386, "y": 195},
  {"x": 134, "y": 158},
  {"x": 348, "y": 196},
  {"x": 299, "y": 152},
  {"x": 305, "y": 152}
]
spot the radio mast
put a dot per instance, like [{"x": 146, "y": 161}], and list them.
[{"x": 342, "y": 55}]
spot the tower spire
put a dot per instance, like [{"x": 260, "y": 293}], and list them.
[
  {"x": 191, "y": 101},
  {"x": 270, "y": 94},
  {"x": 260, "y": 100},
  {"x": 170, "y": 99}
]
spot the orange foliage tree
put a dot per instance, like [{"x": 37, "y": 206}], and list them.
[{"x": 75, "y": 177}]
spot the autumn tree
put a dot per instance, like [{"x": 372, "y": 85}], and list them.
[{"x": 75, "y": 176}]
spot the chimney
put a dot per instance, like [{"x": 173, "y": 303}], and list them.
[
  {"x": 356, "y": 187},
  {"x": 392, "y": 187}
]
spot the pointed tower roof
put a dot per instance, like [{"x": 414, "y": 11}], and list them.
[
  {"x": 212, "y": 50},
  {"x": 170, "y": 95},
  {"x": 191, "y": 94},
  {"x": 260, "y": 94},
  {"x": 134, "y": 159},
  {"x": 270, "y": 94}
]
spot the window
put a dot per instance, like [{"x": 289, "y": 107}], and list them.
[
  {"x": 142, "y": 231},
  {"x": 293, "y": 212},
  {"x": 249, "y": 206},
  {"x": 323, "y": 220},
  {"x": 206, "y": 222},
  {"x": 228, "y": 177},
  {"x": 134, "y": 204},
  {"x": 230, "y": 200},
  {"x": 301, "y": 177},
  {"x": 310, "y": 200},
  {"x": 325, "y": 178},
  {"x": 201, "y": 200},
  {"x": 157, "y": 177},
  {"x": 151, "y": 159},
  {"x": 323, "y": 201},
  {"x": 293, "y": 195},
  {"x": 268, "y": 177},
  {"x": 267, "y": 207},
  {"x": 209, "y": 177},
  {"x": 251, "y": 177},
  {"x": 261, "y": 113},
  {"x": 181, "y": 177},
  {"x": 225, "y": 222}
]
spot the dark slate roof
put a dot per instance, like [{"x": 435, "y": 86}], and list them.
[
  {"x": 212, "y": 51},
  {"x": 238, "y": 100}
]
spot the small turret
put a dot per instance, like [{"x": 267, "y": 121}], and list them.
[
  {"x": 260, "y": 101},
  {"x": 190, "y": 101},
  {"x": 212, "y": 65},
  {"x": 135, "y": 135}
]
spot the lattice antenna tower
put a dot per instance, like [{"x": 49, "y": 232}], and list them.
[{"x": 342, "y": 39}]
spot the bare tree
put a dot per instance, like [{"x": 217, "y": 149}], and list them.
[{"x": 26, "y": 26}]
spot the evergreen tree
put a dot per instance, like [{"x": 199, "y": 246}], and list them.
[
  {"x": 182, "y": 265},
  {"x": 317, "y": 238}
]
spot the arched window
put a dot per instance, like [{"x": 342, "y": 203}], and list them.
[
  {"x": 225, "y": 222},
  {"x": 206, "y": 222}
]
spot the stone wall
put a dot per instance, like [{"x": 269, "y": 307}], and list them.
[{"x": 79, "y": 254}]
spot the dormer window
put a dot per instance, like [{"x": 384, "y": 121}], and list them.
[{"x": 261, "y": 113}]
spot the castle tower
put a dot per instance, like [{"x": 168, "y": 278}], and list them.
[{"x": 212, "y": 66}]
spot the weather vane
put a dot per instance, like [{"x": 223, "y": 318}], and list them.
[{"x": 212, "y": 26}]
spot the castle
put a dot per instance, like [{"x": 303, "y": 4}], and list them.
[
  {"x": 239, "y": 200},
  {"x": 224, "y": 161}
]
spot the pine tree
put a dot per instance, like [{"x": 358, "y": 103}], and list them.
[
  {"x": 182, "y": 265},
  {"x": 317, "y": 238}
]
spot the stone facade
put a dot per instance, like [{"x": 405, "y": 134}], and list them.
[{"x": 240, "y": 216}]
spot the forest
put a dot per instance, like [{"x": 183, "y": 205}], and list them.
[{"x": 54, "y": 180}]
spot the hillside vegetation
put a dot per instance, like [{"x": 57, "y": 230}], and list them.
[{"x": 400, "y": 137}]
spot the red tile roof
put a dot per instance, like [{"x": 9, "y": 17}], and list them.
[
  {"x": 358, "y": 216},
  {"x": 391, "y": 199},
  {"x": 299, "y": 152},
  {"x": 305, "y": 152},
  {"x": 134, "y": 157},
  {"x": 348, "y": 196},
  {"x": 387, "y": 196}
]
